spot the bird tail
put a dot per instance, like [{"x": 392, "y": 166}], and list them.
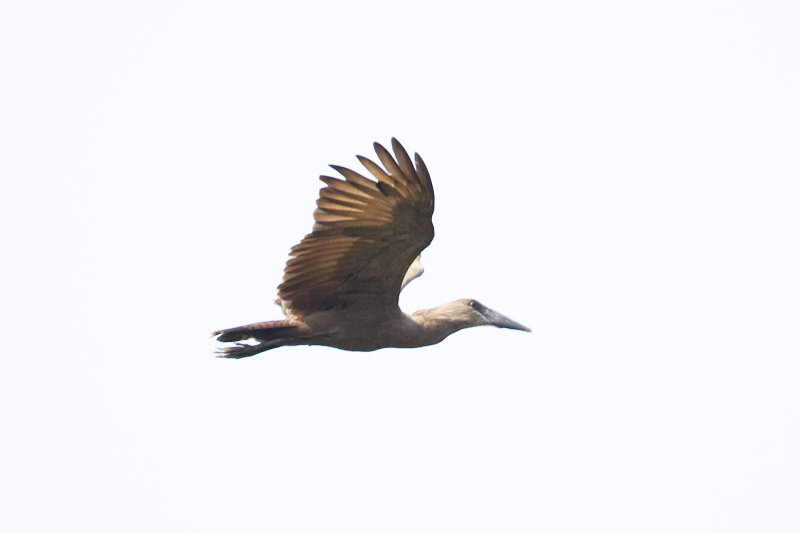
[{"x": 267, "y": 335}]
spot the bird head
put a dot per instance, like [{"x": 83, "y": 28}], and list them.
[{"x": 470, "y": 313}]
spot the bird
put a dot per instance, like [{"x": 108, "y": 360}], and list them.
[{"x": 342, "y": 282}]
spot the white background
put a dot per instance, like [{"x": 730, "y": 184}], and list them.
[{"x": 622, "y": 177}]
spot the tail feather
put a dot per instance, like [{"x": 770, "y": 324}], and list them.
[{"x": 268, "y": 334}]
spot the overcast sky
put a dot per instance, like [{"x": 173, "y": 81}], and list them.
[{"x": 622, "y": 177}]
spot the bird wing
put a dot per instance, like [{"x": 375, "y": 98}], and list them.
[
  {"x": 366, "y": 235},
  {"x": 414, "y": 271}
]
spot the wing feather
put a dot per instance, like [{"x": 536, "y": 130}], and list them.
[
  {"x": 390, "y": 164},
  {"x": 375, "y": 170},
  {"x": 406, "y": 166}
]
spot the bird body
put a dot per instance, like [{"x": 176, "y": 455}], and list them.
[{"x": 342, "y": 282}]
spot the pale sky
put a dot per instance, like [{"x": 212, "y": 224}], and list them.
[{"x": 622, "y": 177}]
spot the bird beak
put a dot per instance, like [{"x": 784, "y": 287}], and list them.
[{"x": 502, "y": 321}]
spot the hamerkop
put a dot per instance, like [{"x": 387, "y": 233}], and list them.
[{"x": 341, "y": 285}]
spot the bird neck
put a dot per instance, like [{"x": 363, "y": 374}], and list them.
[{"x": 434, "y": 326}]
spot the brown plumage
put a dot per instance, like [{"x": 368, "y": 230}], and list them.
[{"x": 341, "y": 285}]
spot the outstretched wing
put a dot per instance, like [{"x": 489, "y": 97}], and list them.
[{"x": 366, "y": 235}]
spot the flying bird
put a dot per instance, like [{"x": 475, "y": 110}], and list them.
[{"x": 342, "y": 282}]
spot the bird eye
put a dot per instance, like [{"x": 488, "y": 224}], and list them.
[{"x": 476, "y": 305}]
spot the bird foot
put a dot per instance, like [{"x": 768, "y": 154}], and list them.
[{"x": 239, "y": 350}]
